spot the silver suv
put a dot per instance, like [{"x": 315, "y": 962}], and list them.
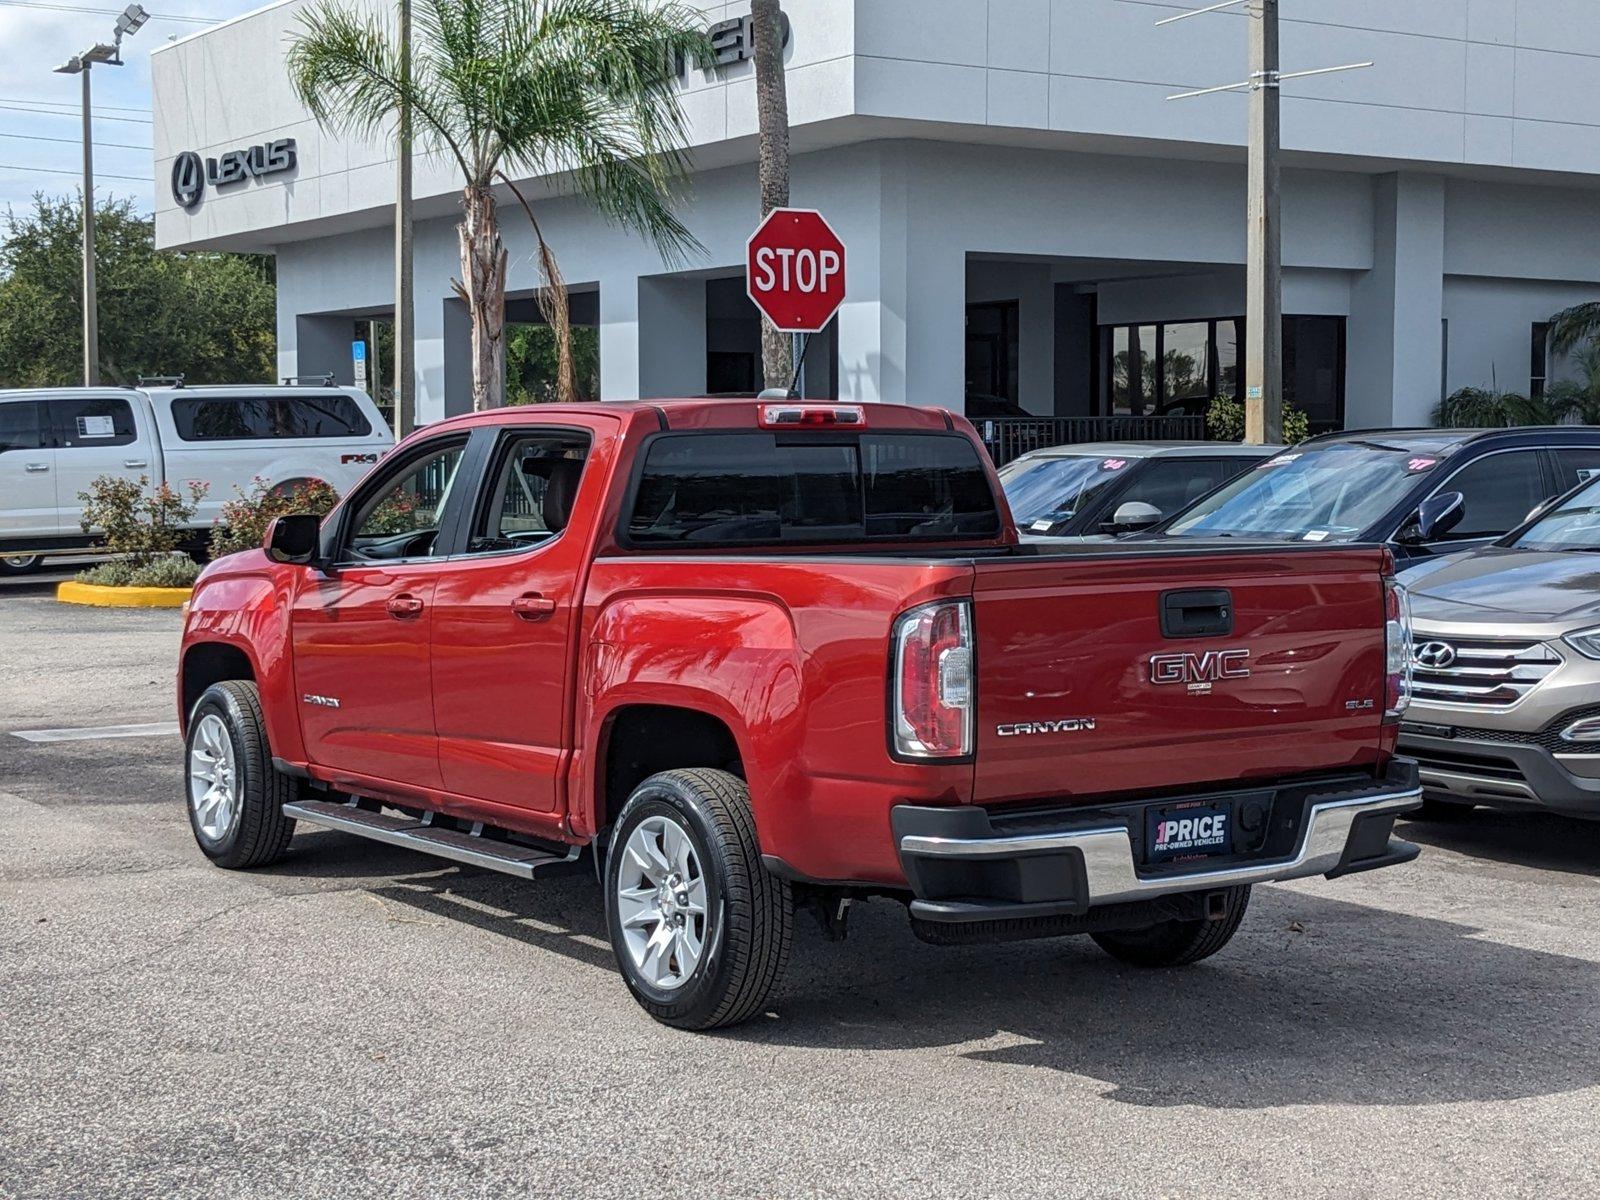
[{"x": 1506, "y": 701}]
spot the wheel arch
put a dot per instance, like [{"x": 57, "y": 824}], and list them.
[
  {"x": 638, "y": 740},
  {"x": 206, "y": 663}
]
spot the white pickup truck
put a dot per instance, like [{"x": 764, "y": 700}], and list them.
[{"x": 54, "y": 441}]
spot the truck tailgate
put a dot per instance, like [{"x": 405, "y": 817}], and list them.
[{"x": 1086, "y": 690}]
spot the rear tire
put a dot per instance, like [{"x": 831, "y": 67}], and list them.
[
  {"x": 1177, "y": 943},
  {"x": 700, "y": 928},
  {"x": 20, "y": 564},
  {"x": 235, "y": 794}
]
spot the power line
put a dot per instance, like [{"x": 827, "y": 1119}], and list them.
[
  {"x": 108, "y": 12},
  {"x": 72, "y": 104},
  {"x": 34, "y": 137},
  {"x": 39, "y": 112},
  {"x": 68, "y": 171}
]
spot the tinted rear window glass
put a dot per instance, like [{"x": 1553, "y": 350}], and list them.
[
  {"x": 257, "y": 418},
  {"x": 90, "y": 421},
  {"x": 743, "y": 489}
]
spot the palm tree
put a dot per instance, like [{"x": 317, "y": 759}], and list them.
[
  {"x": 1580, "y": 323},
  {"x": 1579, "y": 400},
  {"x": 582, "y": 87},
  {"x": 772, "y": 114}
]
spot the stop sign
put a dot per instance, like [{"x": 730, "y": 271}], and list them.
[{"x": 794, "y": 270}]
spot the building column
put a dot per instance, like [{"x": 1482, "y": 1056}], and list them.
[
  {"x": 619, "y": 337},
  {"x": 670, "y": 338},
  {"x": 1396, "y": 337},
  {"x": 903, "y": 327}
]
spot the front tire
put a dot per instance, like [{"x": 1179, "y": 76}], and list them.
[
  {"x": 20, "y": 564},
  {"x": 700, "y": 928},
  {"x": 235, "y": 794},
  {"x": 1178, "y": 943}
]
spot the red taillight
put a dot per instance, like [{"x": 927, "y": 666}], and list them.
[
  {"x": 1397, "y": 650},
  {"x": 829, "y": 416},
  {"x": 933, "y": 701}
]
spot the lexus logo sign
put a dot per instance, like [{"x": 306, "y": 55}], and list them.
[
  {"x": 188, "y": 179},
  {"x": 190, "y": 173}
]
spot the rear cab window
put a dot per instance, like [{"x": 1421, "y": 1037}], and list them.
[
  {"x": 267, "y": 418},
  {"x": 763, "y": 489},
  {"x": 83, "y": 423}
]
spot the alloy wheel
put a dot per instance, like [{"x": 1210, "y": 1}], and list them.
[
  {"x": 213, "y": 779},
  {"x": 661, "y": 903}
]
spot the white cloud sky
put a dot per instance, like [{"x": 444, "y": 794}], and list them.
[{"x": 39, "y": 110}]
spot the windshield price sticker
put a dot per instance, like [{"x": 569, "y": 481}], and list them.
[
  {"x": 96, "y": 427},
  {"x": 1283, "y": 460},
  {"x": 1113, "y": 464},
  {"x": 1316, "y": 535},
  {"x": 1418, "y": 465}
]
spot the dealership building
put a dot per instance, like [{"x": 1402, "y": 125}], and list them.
[{"x": 1030, "y": 222}]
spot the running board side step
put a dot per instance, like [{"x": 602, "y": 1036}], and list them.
[{"x": 472, "y": 848}]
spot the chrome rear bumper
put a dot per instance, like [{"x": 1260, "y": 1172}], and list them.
[{"x": 982, "y": 874}]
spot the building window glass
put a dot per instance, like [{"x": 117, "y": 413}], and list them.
[
  {"x": 1539, "y": 369},
  {"x": 1178, "y": 369},
  {"x": 1121, "y": 368},
  {"x": 1186, "y": 368},
  {"x": 993, "y": 354}
]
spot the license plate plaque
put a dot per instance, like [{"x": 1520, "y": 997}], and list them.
[{"x": 1188, "y": 830}]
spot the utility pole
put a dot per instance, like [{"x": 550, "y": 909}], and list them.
[
  {"x": 405, "y": 375},
  {"x": 132, "y": 19},
  {"x": 1263, "y": 334},
  {"x": 1263, "y": 323},
  {"x": 91, "y": 294}
]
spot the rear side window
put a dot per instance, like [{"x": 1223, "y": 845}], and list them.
[
  {"x": 19, "y": 426},
  {"x": 1498, "y": 490},
  {"x": 1172, "y": 484},
  {"x": 748, "y": 489},
  {"x": 261, "y": 418},
  {"x": 83, "y": 424}
]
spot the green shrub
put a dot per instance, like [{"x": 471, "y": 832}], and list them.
[
  {"x": 172, "y": 571},
  {"x": 244, "y": 520},
  {"x": 138, "y": 523},
  {"x": 1225, "y": 422}
]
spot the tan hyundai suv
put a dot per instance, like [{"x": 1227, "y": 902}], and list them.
[{"x": 1506, "y": 669}]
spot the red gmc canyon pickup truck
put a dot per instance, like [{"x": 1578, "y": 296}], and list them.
[{"x": 763, "y": 658}]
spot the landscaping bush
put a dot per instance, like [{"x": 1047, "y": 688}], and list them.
[
  {"x": 1225, "y": 422},
  {"x": 138, "y": 524},
  {"x": 173, "y": 571},
  {"x": 244, "y": 520}
]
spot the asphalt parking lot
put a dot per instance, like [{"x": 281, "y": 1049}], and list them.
[{"x": 362, "y": 1021}]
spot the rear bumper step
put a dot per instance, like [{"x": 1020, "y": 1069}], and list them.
[
  {"x": 964, "y": 864},
  {"x": 472, "y": 848}
]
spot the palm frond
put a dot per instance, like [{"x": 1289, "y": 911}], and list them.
[
  {"x": 345, "y": 68},
  {"x": 1573, "y": 325}
]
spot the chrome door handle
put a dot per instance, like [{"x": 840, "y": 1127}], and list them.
[
  {"x": 402, "y": 607},
  {"x": 134, "y": 464},
  {"x": 35, "y": 468},
  {"x": 533, "y": 607}
]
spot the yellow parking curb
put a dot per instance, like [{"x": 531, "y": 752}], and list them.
[{"x": 73, "y": 592}]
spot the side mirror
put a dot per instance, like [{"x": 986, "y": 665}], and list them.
[
  {"x": 293, "y": 539},
  {"x": 1134, "y": 516},
  {"x": 1438, "y": 515}
]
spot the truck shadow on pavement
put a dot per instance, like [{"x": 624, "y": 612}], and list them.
[
  {"x": 1545, "y": 841},
  {"x": 1317, "y": 1001}
]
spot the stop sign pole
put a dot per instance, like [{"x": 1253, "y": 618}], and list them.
[{"x": 795, "y": 274}]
